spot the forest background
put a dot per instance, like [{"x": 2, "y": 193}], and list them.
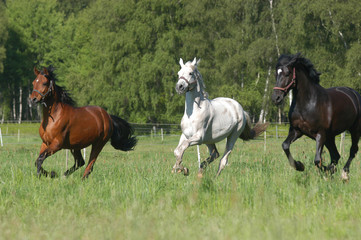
[{"x": 123, "y": 55}]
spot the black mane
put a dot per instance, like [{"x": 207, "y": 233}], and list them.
[
  {"x": 64, "y": 95},
  {"x": 298, "y": 61}
]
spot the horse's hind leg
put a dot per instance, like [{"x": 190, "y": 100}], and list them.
[
  {"x": 78, "y": 161},
  {"x": 335, "y": 156},
  {"x": 355, "y": 137},
  {"x": 96, "y": 148},
  {"x": 213, "y": 154},
  {"x": 231, "y": 140}
]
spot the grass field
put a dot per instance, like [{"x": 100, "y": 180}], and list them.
[{"x": 134, "y": 195}]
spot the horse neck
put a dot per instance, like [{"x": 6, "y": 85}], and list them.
[
  {"x": 51, "y": 106},
  {"x": 306, "y": 89},
  {"x": 193, "y": 99}
]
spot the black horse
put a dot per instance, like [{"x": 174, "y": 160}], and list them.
[{"x": 316, "y": 112}]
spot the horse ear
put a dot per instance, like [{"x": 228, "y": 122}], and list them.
[
  {"x": 199, "y": 60},
  {"x": 194, "y": 61},
  {"x": 36, "y": 71},
  {"x": 181, "y": 62},
  {"x": 45, "y": 71},
  {"x": 294, "y": 59}
]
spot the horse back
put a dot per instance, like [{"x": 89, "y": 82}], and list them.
[
  {"x": 346, "y": 108},
  {"x": 227, "y": 115}
]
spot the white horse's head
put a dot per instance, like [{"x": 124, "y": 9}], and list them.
[{"x": 187, "y": 78}]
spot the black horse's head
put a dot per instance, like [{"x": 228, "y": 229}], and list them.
[{"x": 285, "y": 77}]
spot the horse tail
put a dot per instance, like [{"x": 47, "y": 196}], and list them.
[
  {"x": 122, "y": 135},
  {"x": 251, "y": 133}
]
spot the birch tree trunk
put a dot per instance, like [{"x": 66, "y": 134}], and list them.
[
  {"x": 274, "y": 26},
  {"x": 278, "y": 53},
  {"x": 264, "y": 110},
  {"x": 3, "y": 117},
  {"x": 20, "y": 104},
  {"x": 14, "y": 107},
  {"x": 339, "y": 32},
  {"x": 30, "y": 107}
]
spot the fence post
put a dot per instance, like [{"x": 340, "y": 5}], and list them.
[
  {"x": 19, "y": 135},
  {"x": 161, "y": 132},
  {"x": 199, "y": 157},
  {"x": 341, "y": 142},
  {"x": 66, "y": 160},
  {"x": 265, "y": 141},
  {"x": 84, "y": 150},
  {"x": 276, "y": 132},
  {"x": 1, "y": 138}
]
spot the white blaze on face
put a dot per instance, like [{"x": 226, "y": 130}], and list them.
[{"x": 279, "y": 71}]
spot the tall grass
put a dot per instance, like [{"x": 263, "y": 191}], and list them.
[{"x": 134, "y": 195}]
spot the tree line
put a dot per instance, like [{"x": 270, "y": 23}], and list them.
[{"x": 123, "y": 55}]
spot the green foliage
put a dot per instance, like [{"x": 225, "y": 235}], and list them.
[
  {"x": 3, "y": 35},
  {"x": 123, "y": 55}
]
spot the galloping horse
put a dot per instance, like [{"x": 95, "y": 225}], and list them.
[
  {"x": 64, "y": 126},
  {"x": 316, "y": 112},
  {"x": 209, "y": 121}
]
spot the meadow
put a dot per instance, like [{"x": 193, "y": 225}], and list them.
[{"x": 134, "y": 195}]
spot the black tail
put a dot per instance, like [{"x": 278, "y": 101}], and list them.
[
  {"x": 251, "y": 133},
  {"x": 122, "y": 135}
]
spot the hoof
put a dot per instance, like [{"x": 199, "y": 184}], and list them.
[
  {"x": 331, "y": 168},
  {"x": 299, "y": 166},
  {"x": 344, "y": 176},
  {"x": 53, "y": 174},
  {"x": 186, "y": 171}
]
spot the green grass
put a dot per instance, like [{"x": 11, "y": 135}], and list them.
[{"x": 134, "y": 195}]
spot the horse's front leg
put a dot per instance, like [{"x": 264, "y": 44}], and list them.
[
  {"x": 45, "y": 151},
  {"x": 293, "y": 135},
  {"x": 184, "y": 143}
]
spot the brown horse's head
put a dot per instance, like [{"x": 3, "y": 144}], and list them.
[
  {"x": 285, "y": 77},
  {"x": 43, "y": 86}
]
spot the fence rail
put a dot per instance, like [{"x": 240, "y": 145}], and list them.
[{"x": 30, "y": 129}]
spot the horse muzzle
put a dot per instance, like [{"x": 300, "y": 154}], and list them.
[
  {"x": 181, "y": 88},
  {"x": 277, "y": 98},
  {"x": 33, "y": 99}
]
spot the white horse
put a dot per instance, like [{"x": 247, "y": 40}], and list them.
[{"x": 208, "y": 121}]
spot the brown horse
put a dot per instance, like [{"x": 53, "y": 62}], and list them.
[
  {"x": 67, "y": 127},
  {"x": 316, "y": 112}
]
